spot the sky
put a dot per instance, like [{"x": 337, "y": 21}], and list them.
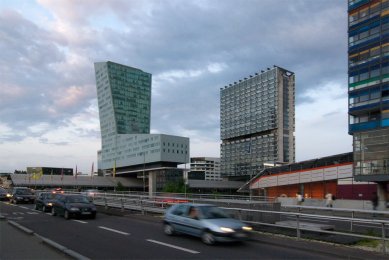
[{"x": 192, "y": 48}]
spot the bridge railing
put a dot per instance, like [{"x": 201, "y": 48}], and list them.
[
  {"x": 248, "y": 211},
  {"x": 249, "y": 214}
]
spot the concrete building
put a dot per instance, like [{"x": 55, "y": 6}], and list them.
[
  {"x": 368, "y": 90},
  {"x": 127, "y": 147},
  {"x": 209, "y": 167},
  {"x": 314, "y": 179},
  {"x": 257, "y": 122}
]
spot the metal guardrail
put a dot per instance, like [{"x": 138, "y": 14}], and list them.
[{"x": 158, "y": 204}]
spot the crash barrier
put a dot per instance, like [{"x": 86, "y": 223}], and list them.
[{"x": 263, "y": 213}]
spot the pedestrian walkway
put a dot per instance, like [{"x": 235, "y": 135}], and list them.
[{"x": 17, "y": 244}]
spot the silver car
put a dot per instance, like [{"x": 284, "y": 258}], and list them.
[{"x": 208, "y": 222}]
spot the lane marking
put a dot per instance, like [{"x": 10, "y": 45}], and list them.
[
  {"x": 173, "y": 246},
  {"x": 114, "y": 230},
  {"x": 23, "y": 207},
  {"x": 32, "y": 213},
  {"x": 79, "y": 221}
]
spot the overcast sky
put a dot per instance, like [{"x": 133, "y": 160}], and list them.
[{"x": 48, "y": 102}]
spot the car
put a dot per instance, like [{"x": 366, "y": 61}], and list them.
[
  {"x": 44, "y": 201},
  {"x": 209, "y": 222},
  {"x": 90, "y": 194},
  {"x": 4, "y": 194},
  {"x": 22, "y": 195},
  {"x": 73, "y": 206}
]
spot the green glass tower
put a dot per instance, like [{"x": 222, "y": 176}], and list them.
[{"x": 124, "y": 98}]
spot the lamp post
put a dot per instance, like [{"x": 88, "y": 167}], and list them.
[{"x": 144, "y": 180}]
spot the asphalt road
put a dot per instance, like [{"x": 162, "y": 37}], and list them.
[{"x": 141, "y": 237}]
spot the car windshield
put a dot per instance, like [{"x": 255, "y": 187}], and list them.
[
  {"x": 78, "y": 199},
  {"x": 23, "y": 192},
  {"x": 212, "y": 212}
]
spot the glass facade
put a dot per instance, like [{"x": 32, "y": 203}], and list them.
[
  {"x": 257, "y": 122},
  {"x": 124, "y": 97},
  {"x": 368, "y": 49},
  {"x": 124, "y": 100}
]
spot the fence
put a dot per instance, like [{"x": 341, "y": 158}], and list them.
[{"x": 262, "y": 212}]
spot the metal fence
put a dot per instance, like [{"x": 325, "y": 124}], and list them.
[{"x": 258, "y": 213}]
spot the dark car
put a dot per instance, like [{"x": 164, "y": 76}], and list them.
[
  {"x": 44, "y": 201},
  {"x": 73, "y": 206},
  {"x": 22, "y": 195},
  {"x": 4, "y": 194},
  {"x": 208, "y": 222}
]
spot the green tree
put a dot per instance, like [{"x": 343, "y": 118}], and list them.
[
  {"x": 174, "y": 187},
  {"x": 120, "y": 187}
]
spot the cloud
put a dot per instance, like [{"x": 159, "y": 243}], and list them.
[
  {"x": 321, "y": 124},
  {"x": 192, "y": 48}
]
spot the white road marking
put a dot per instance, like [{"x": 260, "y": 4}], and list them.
[
  {"x": 17, "y": 213},
  {"x": 173, "y": 246},
  {"x": 79, "y": 221},
  {"x": 32, "y": 213},
  {"x": 114, "y": 230},
  {"x": 23, "y": 207}
]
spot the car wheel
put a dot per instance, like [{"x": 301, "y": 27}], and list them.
[
  {"x": 36, "y": 207},
  {"x": 66, "y": 215},
  {"x": 208, "y": 238},
  {"x": 93, "y": 216},
  {"x": 44, "y": 209},
  {"x": 168, "y": 229},
  {"x": 53, "y": 213}
]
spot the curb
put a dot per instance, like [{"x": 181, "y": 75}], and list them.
[
  {"x": 49, "y": 242},
  {"x": 358, "y": 254}
]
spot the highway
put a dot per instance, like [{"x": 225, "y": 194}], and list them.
[{"x": 140, "y": 237}]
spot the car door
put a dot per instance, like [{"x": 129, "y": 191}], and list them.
[
  {"x": 193, "y": 223},
  {"x": 177, "y": 217},
  {"x": 60, "y": 205}
]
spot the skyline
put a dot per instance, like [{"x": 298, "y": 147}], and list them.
[{"x": 48, "y": 100}]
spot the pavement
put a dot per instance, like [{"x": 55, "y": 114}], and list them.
[{"x": 17, "y": 242}]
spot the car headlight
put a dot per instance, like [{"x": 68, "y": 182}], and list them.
[
  {"x": 74, "y": 209},
  {"x": 49, "y": 204},
  {"x": 9, "y": 195},
  {"x": 247, "y": 228},
  {"x": 227, "y": 230}
]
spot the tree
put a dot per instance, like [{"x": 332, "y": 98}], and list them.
[{"x": 174, "y": 187}]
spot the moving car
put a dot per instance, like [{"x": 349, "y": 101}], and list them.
[
  {"x": 4, "y": 194},
  {"x": 208, "y": 222},
  {"x": 90, "y": 194},
  {"x": 44, "y": 201},
  {"x": 73, "y": 206},
  {"x": 22, "y": 195}
]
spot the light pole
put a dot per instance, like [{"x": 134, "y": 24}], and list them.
[{"x": 144, "y": 180}]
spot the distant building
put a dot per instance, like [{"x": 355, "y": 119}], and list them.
[
  {"x": 314, "y": 179},
  {"x": 209, "y": 167},
  {"x": 257, "y": 123},
  {"x": 128, "y": 149},
  {"x": 368, "y": 91},
  {"x": 50, "y": 170}
]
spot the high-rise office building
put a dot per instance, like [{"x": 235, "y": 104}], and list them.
[
  {"x": 128, "y": 148},
  {"x": 257, "y": 122},
  {"x": 368, "y": 89}
]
